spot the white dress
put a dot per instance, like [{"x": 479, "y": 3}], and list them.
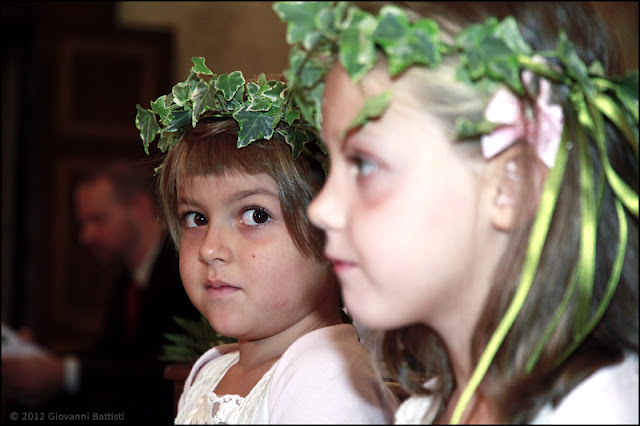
[
  {"x": 326, "y": 376},
  {"x": 608, "y": 396}
]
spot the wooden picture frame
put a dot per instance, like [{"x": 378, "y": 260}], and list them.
[{"x": 102, "y": 75}]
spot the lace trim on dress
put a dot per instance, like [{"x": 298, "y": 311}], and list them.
[
  {"x": 203, "y": 406},
  {"x": 224, "y": 407}
]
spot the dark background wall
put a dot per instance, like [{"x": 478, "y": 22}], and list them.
[
  {"x": 71, "y": 80},
  {"x": 72, "y": 73}
]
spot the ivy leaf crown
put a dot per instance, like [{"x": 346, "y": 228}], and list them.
[
  {"x": 261, "y": 109},
  {"x": 492, "y": 53}
]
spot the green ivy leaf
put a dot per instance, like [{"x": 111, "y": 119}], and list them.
[
  {"x": 146, "y": 123},
  {"x": 427, "y": 36},
  {"x": 627, "y": 91},
  {"x": 300, "y": 16},
  {"x": 274, "y": 91},
  {"x": 506, "y": 69},
  {"x": 392, "y": 34},
  {"x": 232, "y": 105},
  {"x": 574, "y": 65},
  {"x": 327, "y": 20},
  {"x": 229, "y": 84},
  {"x": 261, "y": 96},
  {"x": 253, "y": 126},
  {"x": 181, "y": 93},
  {"x": 160, "y": 108},
  {"x": 393, "y": 26},
  {"x": 312, "y": 72},
  {"x": 356, "y": 47},
  {"x": 465, "y": 129},
  {"x": 296, "y": 140},
  {"x": 200, "y": 97},
  {"x": 259, "y": 103},
  {"x": 179, "y": 121},
  {"x": 508, "y": 31},
  {"x": 313, "y": 40},
  {"x": 276, "y": 111},
  {"x": 167, "y": 141},
  {"x": 292, "y": 116},
  {"x": 489, "y": 54},
  {"x": 253, "y": 89},
  {"x": 372, "y": 108},
  {"x": 486, "y": 87},
  {"x": 199, "y": 67},
  {"x": 297, "y": 58},
  {"x": 316, "y": 98}
]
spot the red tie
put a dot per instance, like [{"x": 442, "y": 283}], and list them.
[{"x": 132, "y": 309}]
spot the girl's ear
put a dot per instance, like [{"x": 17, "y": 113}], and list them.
[
  {"x": 509, "y": 191},
  {"x": 506, "y": 176}
]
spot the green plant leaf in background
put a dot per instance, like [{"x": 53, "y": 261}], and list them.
[{"x": 197, "y": 338}]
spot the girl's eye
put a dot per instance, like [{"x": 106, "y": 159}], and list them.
[
  {"x": 363, "y": 167},
  {"x": 255, "y": 216},
  {"x": 194, "y": 219}
]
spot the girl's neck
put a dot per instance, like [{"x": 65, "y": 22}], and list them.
[
  {"x": 256, "y": 357},
  {"x": 479, "y": 410},
  {"x": 254, "y": 353}
]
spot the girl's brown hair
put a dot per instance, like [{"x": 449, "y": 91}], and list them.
[{"x": 210, "y": 149}]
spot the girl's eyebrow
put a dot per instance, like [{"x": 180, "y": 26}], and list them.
[
  {"x": 187, "y": 200},
  {"x": 237, "y": 196}
]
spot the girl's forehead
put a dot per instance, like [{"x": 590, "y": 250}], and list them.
[
  {"x": 228, "y": 187},
  {"x": 231, "y": 180}
]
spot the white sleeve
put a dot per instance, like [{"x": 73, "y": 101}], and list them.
[
  {"x": 328, "y": 382},
  {"x": 608, "y": 396}
]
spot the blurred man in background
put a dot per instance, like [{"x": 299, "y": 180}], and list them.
[{"x": 119, "y": 224}]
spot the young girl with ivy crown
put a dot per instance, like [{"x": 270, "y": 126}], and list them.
[
  {"x": 482, "y": 202},
  {"x": 235, "y": 199}
]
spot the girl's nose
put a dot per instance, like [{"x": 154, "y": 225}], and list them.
[
  {"x": 215, "y": 246},
  {"x": 326, "y": 211}
]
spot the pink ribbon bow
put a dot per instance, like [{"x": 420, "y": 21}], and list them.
[{"x": 542, "y": 129}]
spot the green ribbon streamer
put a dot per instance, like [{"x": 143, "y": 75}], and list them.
[
  {"x": 627, "y": 195},
  {"x": 609, "y": 108},
  {"x": 631, "y": 105},
  {"x": 587, "y": 257},
  {"x": 554, "y": 322},
  {"x": 591, "y": 119},
  {"x": 567, "y": 295},
  {"x": 616, "y": 271},
  {"x": 534, "y": 249}
]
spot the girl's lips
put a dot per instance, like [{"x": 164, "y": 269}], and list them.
[
  {"x": 340, "y": 266},
  {"x": 219, "y": 289}
]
